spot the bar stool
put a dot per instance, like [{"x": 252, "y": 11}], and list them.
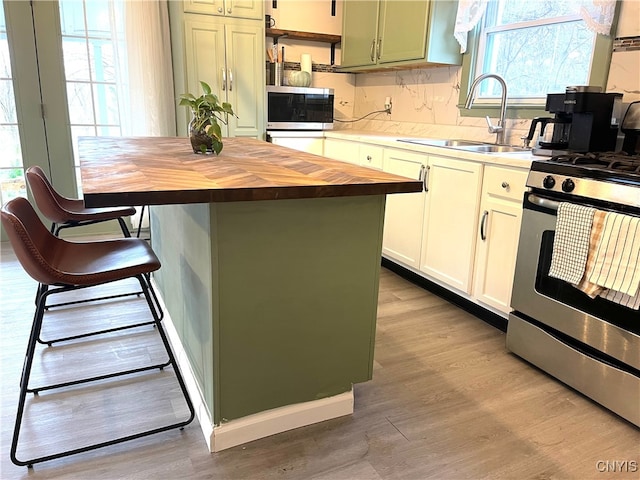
[
  {"x": 66, "y": 212},
  {"x": 64, "y": 266}
]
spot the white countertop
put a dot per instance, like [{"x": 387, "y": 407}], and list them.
[{"x": 514, "y": 159}]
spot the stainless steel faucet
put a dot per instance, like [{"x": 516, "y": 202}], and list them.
[{"x": 497, "y": 129}]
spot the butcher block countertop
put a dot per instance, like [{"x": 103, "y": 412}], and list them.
[{"x": 164, "y": 170}]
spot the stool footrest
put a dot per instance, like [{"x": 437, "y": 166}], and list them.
[{"x": 159, "y": 366}]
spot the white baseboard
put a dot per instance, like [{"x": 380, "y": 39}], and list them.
[
  {"x": 277, "y": 420},
  {"x": 256, "y": 426}
]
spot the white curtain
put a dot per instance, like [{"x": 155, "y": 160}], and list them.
[
  {"x": 150, "y": 73},
  {"x": 598, "y": 16},
  {"x": 469, "y": 14}
]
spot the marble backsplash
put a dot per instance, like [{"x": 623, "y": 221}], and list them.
[{"x": 425, "y": 101}]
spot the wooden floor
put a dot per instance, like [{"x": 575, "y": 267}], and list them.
[{"x": 447, "y": 401}]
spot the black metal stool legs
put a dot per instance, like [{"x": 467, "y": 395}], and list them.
[
  {"x": 152, "y": 302},
  {"x": 147, "y": 281}
]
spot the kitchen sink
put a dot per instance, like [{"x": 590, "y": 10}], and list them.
[
  {"x": 438, "y": 142},
  {"x": 467, "y": 145},
  {"x": 488, "y": 148}
]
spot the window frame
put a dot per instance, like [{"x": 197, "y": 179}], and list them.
[{"x": 598, "y": 76}]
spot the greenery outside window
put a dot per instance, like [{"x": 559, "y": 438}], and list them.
[{"x": 538, "y": 47}]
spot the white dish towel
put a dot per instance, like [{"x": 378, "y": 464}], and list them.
[
  {"x": 622, "y": 299},
  {"x": 571, "y": 242},
  {"x": 617, "y": 265}
]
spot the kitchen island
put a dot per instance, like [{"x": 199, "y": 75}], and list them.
[{"x": 270, "y": 266}]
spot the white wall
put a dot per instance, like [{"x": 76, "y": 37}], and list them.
[
  {"x": 306, "y": 16},
  {"x": 629, "y": 21},
  {"x": 624, "y": 74}
]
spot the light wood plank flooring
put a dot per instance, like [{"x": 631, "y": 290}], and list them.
[{"x": 447, "y": 401}]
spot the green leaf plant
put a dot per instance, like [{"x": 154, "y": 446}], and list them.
[{"x": 207, "y": 112}]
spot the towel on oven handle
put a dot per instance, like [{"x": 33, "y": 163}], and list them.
[
  {"x": 571, "y": 242},
  {"x": 585, "y": 285},
  {"x": 617, "y": 257},
  {"x": 622, "y": 299}
]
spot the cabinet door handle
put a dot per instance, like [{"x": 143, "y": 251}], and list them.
[
  {"x": 372, "y": 50},
  {"x": 230, "y": 80},
  {"x": 229, "y": 10},
  {"x": 368, "y": 158},
  {"x": 219, "y": 9},
  {"x": 420, "y": 175},
  {"x": 483, "y": 225},
  {"x": 505, "y": 185},
  {"x": 379, "y": 48},
  {"x": 224, "y": 79},
  {"x": 425, "y": 180}
]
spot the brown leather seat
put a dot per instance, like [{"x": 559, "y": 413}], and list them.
[
  {"x": 52, "y": 260},
  {"x": 67, "y": 212},
  {"x": 60, "y": 266}
]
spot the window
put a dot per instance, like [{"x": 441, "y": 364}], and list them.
[
  {"x": 538, "y": 47},
  {"x": 95, "y": 67},
  {"x": 12, "y": 183}
]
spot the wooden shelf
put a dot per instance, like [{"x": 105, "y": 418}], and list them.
[{"x": 308, "y": 36}]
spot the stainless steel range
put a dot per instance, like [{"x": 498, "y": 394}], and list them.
[{"x": 591, "y": 344}]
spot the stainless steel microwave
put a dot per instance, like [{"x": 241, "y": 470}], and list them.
[{"x": 299, "y": 108}]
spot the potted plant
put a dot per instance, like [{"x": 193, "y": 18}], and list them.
[{"x": 204, "y": 130}]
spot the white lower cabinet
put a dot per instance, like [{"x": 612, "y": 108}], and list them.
[
  {"x": 434, "y": 231},
  {"x": 498, "y": 233},
  {"x": 371, "y": 155},
  {"x": 461, "y": 231},
  {"x": 448, "y": 238},
  {"x": 313, "y": 145},
  {"x": 357, "y": 153},
  {"x": 404, "y": 213},
  {"x": 343, "y": 150}
]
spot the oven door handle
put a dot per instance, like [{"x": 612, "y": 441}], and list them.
[{"x": 543, "y": 202}]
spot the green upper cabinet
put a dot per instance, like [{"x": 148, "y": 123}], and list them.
[
  {"x": 394, "y": 33},
  {"x": 359, "y": 33},
  {"x": 401, "y": 31},
  {"x": 228, "y": 8}
]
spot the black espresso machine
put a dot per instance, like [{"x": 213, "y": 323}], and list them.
[{"x": 585, "y": 120}]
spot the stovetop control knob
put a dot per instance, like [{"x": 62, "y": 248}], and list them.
[
  {"x": 549, "y": 182},
  {"x": 568, "y": 185}
]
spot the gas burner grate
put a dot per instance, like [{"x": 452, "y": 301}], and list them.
[{"x": 607, "y": 161}]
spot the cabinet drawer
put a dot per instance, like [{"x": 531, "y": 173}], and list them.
[
  {"x": 504, "y": 182},
  {"x": 371, "y": 156},
  {"x": 343, "y": 150}
]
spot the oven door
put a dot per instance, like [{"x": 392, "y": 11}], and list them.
[{"x": 554, "y": 305}]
